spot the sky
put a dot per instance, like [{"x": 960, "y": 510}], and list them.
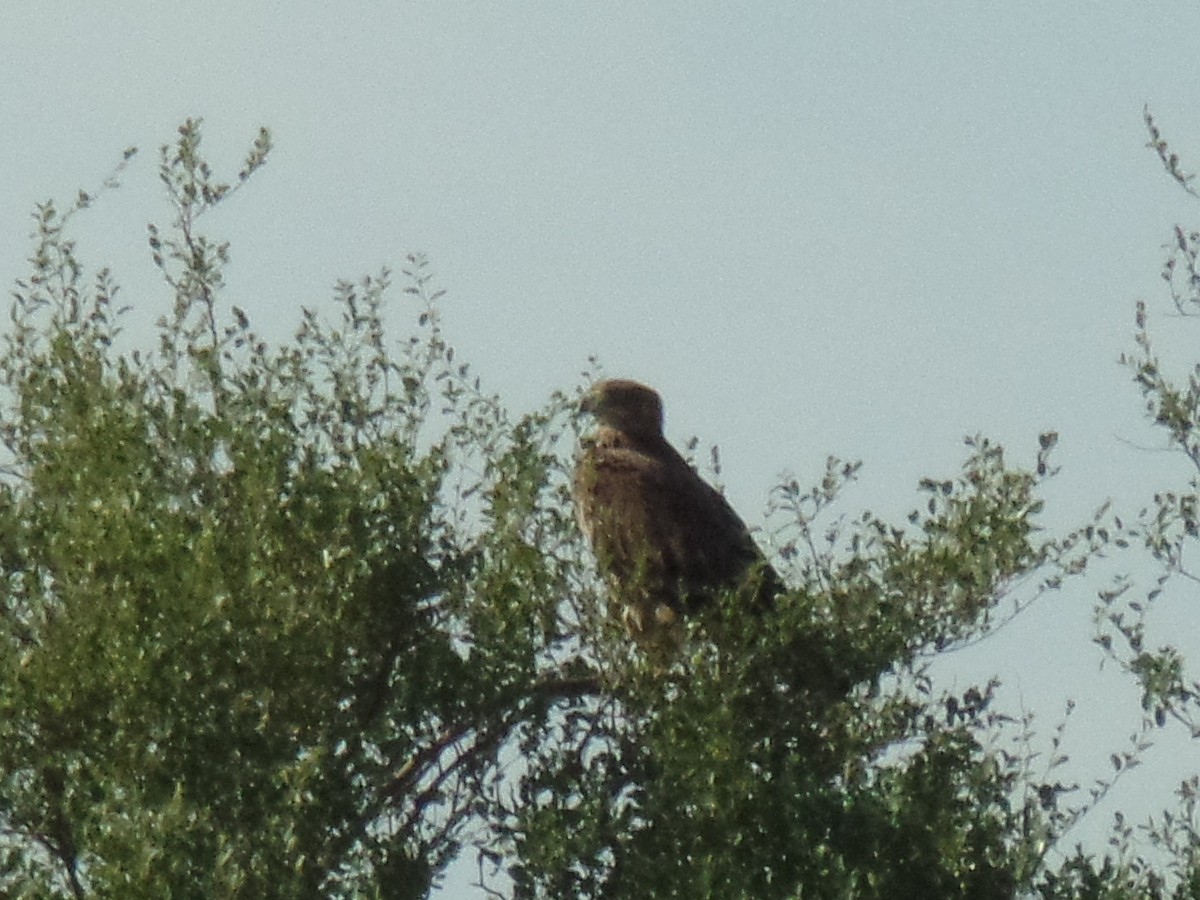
[{"x": 858, "y": 229}]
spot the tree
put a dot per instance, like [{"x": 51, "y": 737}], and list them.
[
  {"x": 239, "y": 652},
  {"x": 309, "y": 621}
]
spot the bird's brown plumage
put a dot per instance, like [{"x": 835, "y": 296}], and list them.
[{"x": 666, "y": 540}]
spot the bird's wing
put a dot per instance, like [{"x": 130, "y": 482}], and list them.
[{"x": 651, "y": 517}]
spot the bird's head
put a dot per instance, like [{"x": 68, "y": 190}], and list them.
[{"x": 625, "y": 405}]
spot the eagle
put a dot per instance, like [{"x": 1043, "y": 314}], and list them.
[{"x": 665, "y": 539}]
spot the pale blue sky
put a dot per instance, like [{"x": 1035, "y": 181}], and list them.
[{"x": 864, "y": 229}]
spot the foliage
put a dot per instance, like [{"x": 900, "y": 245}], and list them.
[
  {"x": 236, "y": 657},
  {"x": 314, "y": 620},
  {"x": 1167, "y": 529}
]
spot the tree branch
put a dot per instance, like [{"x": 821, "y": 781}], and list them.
[{"x": 488, "y": 735}]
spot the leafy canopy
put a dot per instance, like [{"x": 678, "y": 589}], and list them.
[{"x": 308, "y": 620}]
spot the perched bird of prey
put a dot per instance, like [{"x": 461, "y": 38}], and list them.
[{"x": 666, "y": 540}]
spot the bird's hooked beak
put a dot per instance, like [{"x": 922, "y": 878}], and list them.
[{"x": 589, "y": 404}]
